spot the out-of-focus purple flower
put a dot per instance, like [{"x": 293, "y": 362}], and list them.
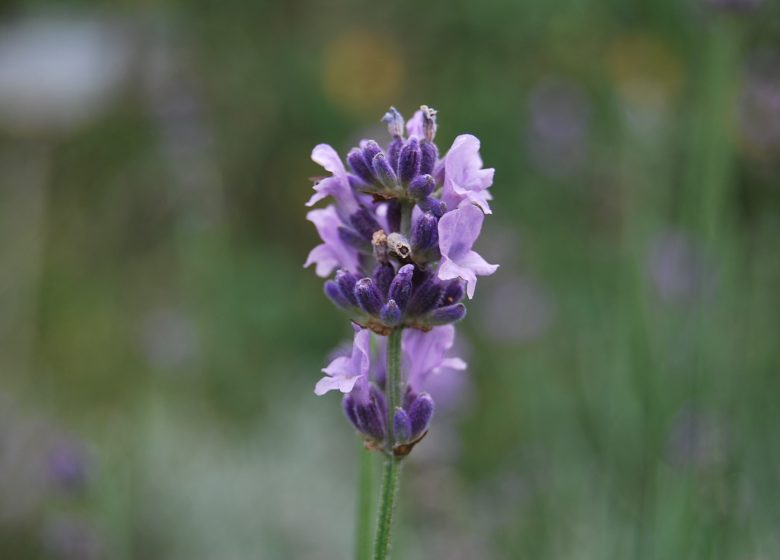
[
  {"x": 677, "y": 269},
  {"x": 425, "y": 354},
  {"x": 695, "y": 440},
  {"x": 518, "y": 309},
  {"x": 759, "y": 108},
  {"x": 334, "y": 252},
  {"x": 344, "y": 372},
  {"x": 458, "y": 230},
  {"x": 558, "y": 127},
  {"x": 337, "y": 185},
  {"x": 734, "y": 6},
  {"x": 68, "y": 464},
  {"x": 71, "y": 538},
  {"x": 464, "y": 178}
]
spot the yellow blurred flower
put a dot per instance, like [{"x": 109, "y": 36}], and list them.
[
  {"x": 362, "y": 72},
  {"x": 647, "y": 73}
]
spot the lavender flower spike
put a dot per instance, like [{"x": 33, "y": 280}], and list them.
[
  {"x": 344, "y": 372},
  {"x": 458, "y": 230}
]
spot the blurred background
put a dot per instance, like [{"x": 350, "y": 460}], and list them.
[{"x": 160, "y": 340}]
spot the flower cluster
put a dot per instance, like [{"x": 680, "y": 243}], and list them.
[{"x": 399, "y": 233}]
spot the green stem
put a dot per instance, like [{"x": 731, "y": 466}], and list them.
[
  {"x": 365, "y": 505},
  {"x": 392, "y": 467},
  {"x": 390, "y": 476}
]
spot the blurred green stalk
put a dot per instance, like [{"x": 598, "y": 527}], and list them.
[{"x": 365, "y": 505}]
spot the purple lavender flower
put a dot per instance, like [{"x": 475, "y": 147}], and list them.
[
  {"x": 425, "y": 354},
  {"x": 338, "y": 185},
  {"x": 464, "y": 178},
  {"x": 345, "y": 371},
  {"x": 558, "y": 127},
  {"x": 458, "y": 230},
  {"x": 399, "y": 235},
  {"x": 334, "y": 252}
]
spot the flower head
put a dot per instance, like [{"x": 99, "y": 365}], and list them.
[{"x": 398, "y": 232}]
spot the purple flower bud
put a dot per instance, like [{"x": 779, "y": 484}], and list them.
[
  {"x": 390, "y": 314},
  {"x": 453, "y": 293},
  {"x": 358, "y": 165},
  {"x": 420, "y": 414},
  {"x": 446, "y": 315},
  {"x": 402, "y": 426},
  {"x": 346, "y": 281},
  {"x": 421, "y": 187},
  {"x": 364, "y": 222},
  {"x": 353, "y": 239},
  {"x": 429, "y": 122},
  {"x": 368, "y": 297},
  {"x": 356, "y": 183},
  {"x": 409, "y": 161},
  {"x": 382, "y": 276},
  {"x": 394, "y": 122},
  {"x": 348, "y": 405},
  {"x": 384, "y": 172},
  {"x": 370, "y": 150},
  {"x": 394, "y": 212},
  {"x": 371, "y": 420},
  {"x": 394, "y": 151},
  {"x": 425, "y": 298},
  {"x": 429, "y": 155},
  {"x": 401, "y": 286},
  {"x": 425, "y": 234},
  {"x": 379, "y": 397},
  {"x": 334, "y": 293},
  {"x": 433, "y": 205}
]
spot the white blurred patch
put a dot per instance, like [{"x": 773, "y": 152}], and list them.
[{"x": 56, "y": 74}]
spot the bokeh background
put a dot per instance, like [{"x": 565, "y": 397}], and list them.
[{"x": 159, "y": 338}]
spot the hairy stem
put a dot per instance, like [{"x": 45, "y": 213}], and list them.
[{"x": 392, "y": 467}]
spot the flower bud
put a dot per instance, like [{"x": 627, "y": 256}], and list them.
[
  {"x": 433, "y": 205},
  {"x": 334, "y": 293},
  {"x": 348, "y": 405},
  {"x": 425, "y": 298},
  {"x": 390, "y": 314},
  {"x": 446, "y": 315},
  {"x": 401, "y": 286},
  {"x": 425, "y": 234},
  {"x": 382, "y": 276},
  {"x": 421, "y": 187},
  {"x": 370, "y": 150},
  {"x": 453, "y": 293},
  {"x": 364, "y": 222},
  {"x": 429, "y": 122},
  {"x": 358, "y": 164},
  {"x": 394, "y": 151},
  {"x": 402, "y": 426},
  {"x": 394, "y": 212},
  {"x": 429, "y": 155},
  {"x": 346, "y": 281},
  {"x": 370, "y": 420},
  {"x": 420, "y": 414},
  {"x": 384, "y": 172},
  {"x": 409, "y": 161},
  {"x": 394, "y": 122},
  {"x": 353, "y": 239},
  {"x": 368, "y": 297}
]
